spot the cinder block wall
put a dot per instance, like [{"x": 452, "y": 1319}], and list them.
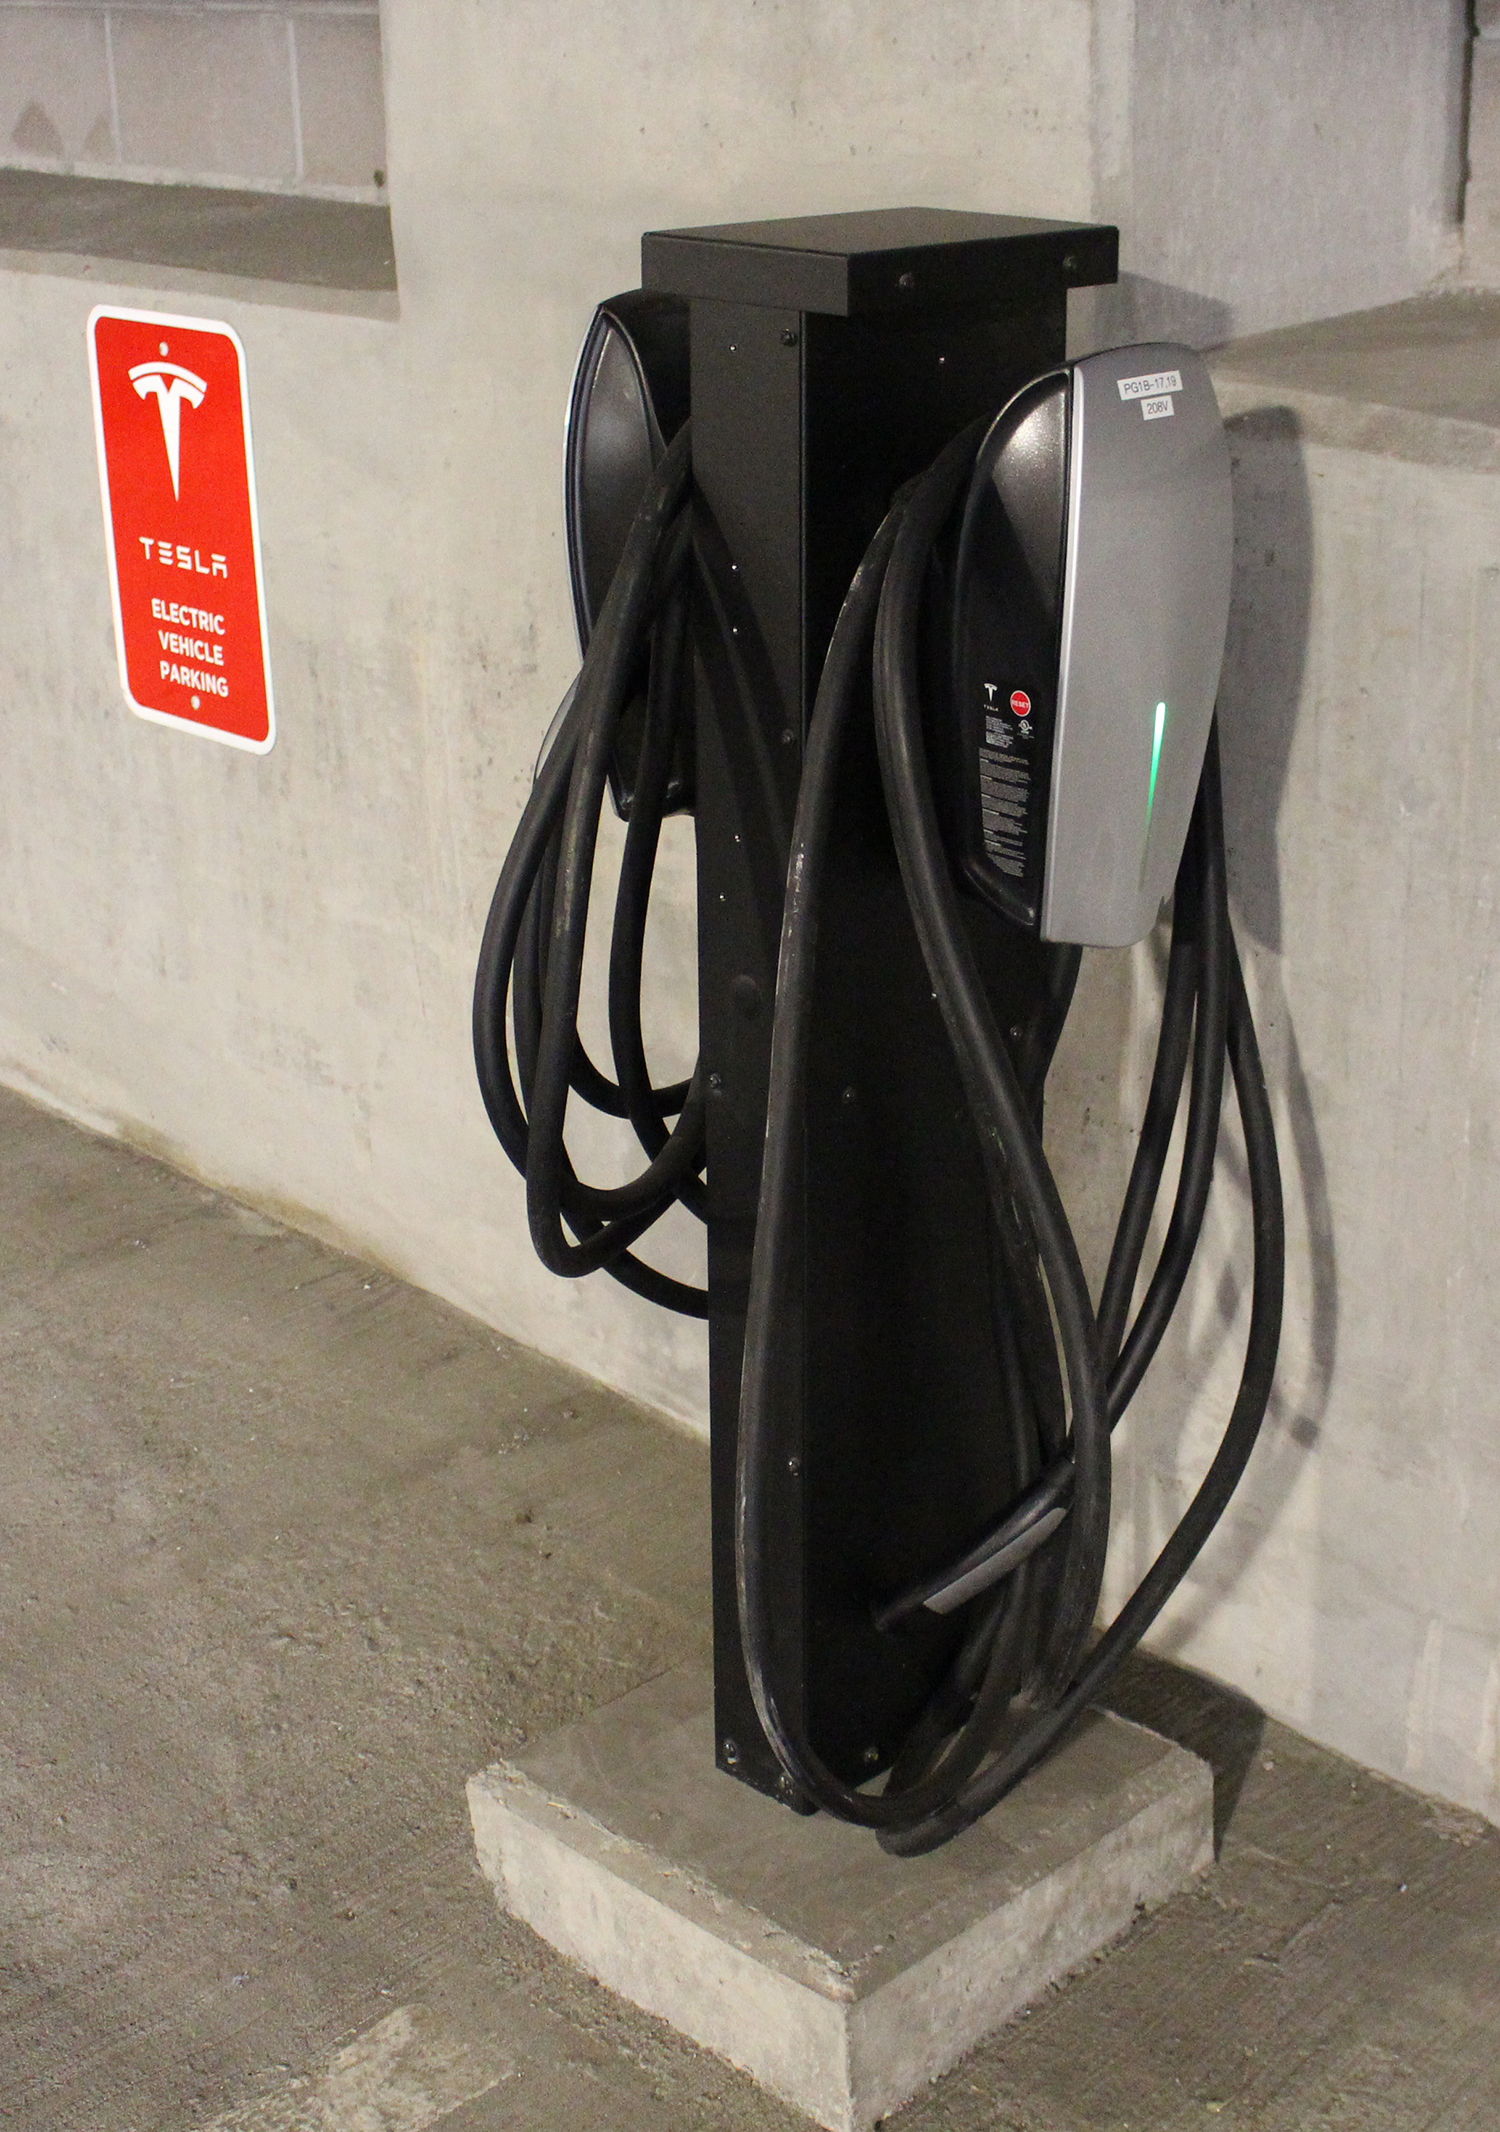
[
  {"x": 261, "y": 967},
  {"x": 284, "y": 95}
]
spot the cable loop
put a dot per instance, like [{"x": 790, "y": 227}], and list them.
[
  {"x": 529, "y": 979},
  {"x": 1025, "y": 1668},
  {"x": 1028, "y": 1660}
]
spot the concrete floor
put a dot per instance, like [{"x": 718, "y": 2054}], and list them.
[{"x": 289, "y": 1549}]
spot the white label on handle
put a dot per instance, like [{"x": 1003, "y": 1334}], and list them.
[{"x": 1148, "y": 387}]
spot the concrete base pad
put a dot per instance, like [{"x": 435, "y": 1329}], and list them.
[{"x": 841, "y": 1979}]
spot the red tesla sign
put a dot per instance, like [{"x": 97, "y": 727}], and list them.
[{"x": 172, "y": 416}]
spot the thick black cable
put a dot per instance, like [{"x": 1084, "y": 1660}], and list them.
[
  {"x": 626, "y": 1210},
  {"x": 1228, "y": 1464},
  {"x": 1193, "y": 1020},
  {"x": 938, "y": 1783},
  {"x": 662, "y": 706},
  {"x": 603, "y": 688},
  {"x": 1205, "y": 1103},
  {"x": 998, "y": 1655},
  {"x": 532, "y": 945},
  {"x": 775, "y": 1269},
  {"x": 1010, "y": 1145},
  {"x": 577, "y": 1201},
  {"x": 645, "y": 1105},
  {"x": 1168, "y": 1072},
  {"x": 502, "y": 931}
]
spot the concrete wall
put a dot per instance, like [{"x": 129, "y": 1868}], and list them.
[
  {"x": 280, "y": 94},
  {"x": 261, "y": 967},
  {"x": 1270, "y": 161},
  {"x": 264, "y": 967}
]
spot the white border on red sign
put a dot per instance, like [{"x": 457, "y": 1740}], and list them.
[{"x": 170, "y": 718}]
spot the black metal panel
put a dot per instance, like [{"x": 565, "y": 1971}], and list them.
[
  {"x": 905, "y": 261},
  {"x": 803, "y": 427},
  {"x": 630, "y": 397},
  {"x": 747, "y": 470}
]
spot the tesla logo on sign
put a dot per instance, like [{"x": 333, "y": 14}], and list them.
[
  {"x": 172, "y": 420},
  {"x": 171, "y": 385}
]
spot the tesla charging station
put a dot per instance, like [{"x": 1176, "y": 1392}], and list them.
[{"x": 923, "y": 623}]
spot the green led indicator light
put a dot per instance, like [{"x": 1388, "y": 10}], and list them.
[{"x": 1156, "y": 738}]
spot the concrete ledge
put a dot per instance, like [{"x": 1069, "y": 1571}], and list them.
[
  {"x": 842, "y": 1980},
  {"x": 329, "y": 254},
  {"x": 1418, "y": 380}
]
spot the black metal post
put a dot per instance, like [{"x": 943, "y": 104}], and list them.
[{"x": 832, "y": 358}]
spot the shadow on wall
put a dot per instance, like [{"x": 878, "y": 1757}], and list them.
[
  {"x": 1260, "y": 698},
  {"x": 1136, "y": 308},
  {"x": 1216, "y": 1723},
  {"x": 1266, "y": 655},
  {"x": 1263, "y": 687}
]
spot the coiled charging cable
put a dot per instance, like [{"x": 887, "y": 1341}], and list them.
[
  {"x": 530, "y": 970},
  {"x": 1025, "y": 1667}
]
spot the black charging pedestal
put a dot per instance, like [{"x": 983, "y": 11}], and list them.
[
  {"x": 833, "y": 356},
  {"x": 832, "y": 359}
]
